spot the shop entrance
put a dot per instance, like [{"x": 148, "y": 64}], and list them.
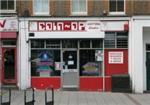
[
  {"x": 70, "y": 72},
  {"x": 9, "y": 65}
]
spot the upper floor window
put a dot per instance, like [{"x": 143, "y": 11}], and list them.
[
  {"x": 7, "y": 5},
  {"x": 79, "y": 7},
  {"x": 41, "y": 7},
  {"x": 117, "y": 6}
]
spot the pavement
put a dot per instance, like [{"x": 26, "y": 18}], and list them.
[{"x": 78, "y": 98}]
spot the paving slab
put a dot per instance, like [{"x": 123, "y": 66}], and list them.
[{"x": 79, "y": 98}]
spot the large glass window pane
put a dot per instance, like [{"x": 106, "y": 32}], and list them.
[
  {"x": 52, "y": 43},
  {"x": 37, "y": 44},
  {"x": 116, "y": 5},
  {"x": 97, "y": 43},
  {"x": 45, "y": 63},
  {"x": 120, "y": 5},
  {"x": 84, "y": 43},
  {"x": 7, "y": 4},
  {"x": 88, "y": 65},
  {"x": 75, "y": 6},
  {"x": 79, "y": 5},
  {"x": 69, "y": 44},
  {"x": 41, "y": 6},
  {"x": 4, "y": 4},
  {"x": 82, "y": 6},
  {"x": 10, "y": 4},
  {"x": 112, "y": 5},
  {"x": 9, "y": 42}
]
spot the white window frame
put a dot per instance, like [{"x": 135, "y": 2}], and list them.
[
  {"x": 9, "y": 10},
  {"x": 41, "y": 13},
  {"x": 116, "y": 12},
  {"x": 80, "y": 13}
]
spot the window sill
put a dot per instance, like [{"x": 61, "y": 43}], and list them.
[
  {"x": 79, "y": 14},
  {"x": 8, "y": 11},
  {"x": 41, "y": 14},
  {"x": 116, "y": 13}
]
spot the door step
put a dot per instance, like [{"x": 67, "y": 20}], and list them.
[{"x": 70, "y": 89}]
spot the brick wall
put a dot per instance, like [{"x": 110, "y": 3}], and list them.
[{"x": 95, "y": 7}]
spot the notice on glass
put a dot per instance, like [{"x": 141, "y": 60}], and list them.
[
  {"x": 70, "y": 62},
  {"x": 115, "y": 57}
]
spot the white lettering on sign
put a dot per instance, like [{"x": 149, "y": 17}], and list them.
[
  {"x": 115, "y": 57},
  {"x": 8, "y": 25},
  {"x": 57, "y": 26}
]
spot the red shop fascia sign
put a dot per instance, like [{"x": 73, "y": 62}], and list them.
[{"x": 57, "y": 26}]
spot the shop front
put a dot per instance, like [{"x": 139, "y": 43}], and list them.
[
  {"x": 70, "y": 54},
  {"x": 8, "y": 37}
]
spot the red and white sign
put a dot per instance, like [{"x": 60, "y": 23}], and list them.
[
  {"x": 8, "y": 25},
  {"x": 115, "y": 57},
  {"x": 93, "y": 26},
  {"x": 57, "y": 26}
]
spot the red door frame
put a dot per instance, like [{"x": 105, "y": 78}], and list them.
[{"x": 13, "y": 81}]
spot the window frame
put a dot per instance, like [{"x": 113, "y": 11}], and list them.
[
  {"x": 116, "y": 46},
  {"x": 79, "y": 13},
  {"x": 41, "y": 13},
  {"x": 9, "y": 10},
  {"x": 117, "y": 12}
]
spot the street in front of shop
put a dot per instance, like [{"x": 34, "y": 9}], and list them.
[{"x": 79, "y": 98}]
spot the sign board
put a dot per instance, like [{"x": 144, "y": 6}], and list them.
[
  {"x": 56, "y": 26},
  {"x": 93, "y": 26},
  {"x": 115, "y": 57},
  {"x": 76, "y": 26},
  {"x": 8, "y": 25}
]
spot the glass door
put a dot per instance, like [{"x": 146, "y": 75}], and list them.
[
  {"x": 9, "y": 65},
  {"x": 70, "y": 72}
]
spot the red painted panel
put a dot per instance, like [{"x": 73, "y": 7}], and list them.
[
  {"x": 91, "y": 83},
  {"x": 107, "y": 83},
  {"x": 6, "y": 35},
  {"x": 116, "y": 68},
  {"x": 43, "y": 83}
]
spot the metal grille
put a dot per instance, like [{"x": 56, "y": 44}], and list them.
[
  {"x": 122, "y": 40},
  {"x": 110, "y": 40}
]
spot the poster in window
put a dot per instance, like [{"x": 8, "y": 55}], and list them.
[
  {"x": 98, "y": 55},
  {"x": 91, "y": 68},
  {"x": 46, "y": 62},
  {"x": 115, "y": 57}
]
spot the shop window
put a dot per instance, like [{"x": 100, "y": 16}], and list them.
[
  {"x": 69, "y": 43},
  {"x": 84, "y": 43},
  {"x": 8, "y": 5},
  {"x": 45, "y": 63},
  {"x": 41, "y": 7},
  {"x": 89, "y": 66},
  {"x": 53, "y": 44},
  {"x": 97, "y": 43},
  {"x": 9, "y": 42},
  {"x": 116, "y": 40},
  {"x": 79, "y": 7},
  {"x": 37, "y": 44},
  {"x": 116, "y": 6}
]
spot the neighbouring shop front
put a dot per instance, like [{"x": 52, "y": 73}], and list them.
[
  {"x": 72, "y": 54},
  {"x": 140, "y": 54},
  {"x": 8, "y": 37}
]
